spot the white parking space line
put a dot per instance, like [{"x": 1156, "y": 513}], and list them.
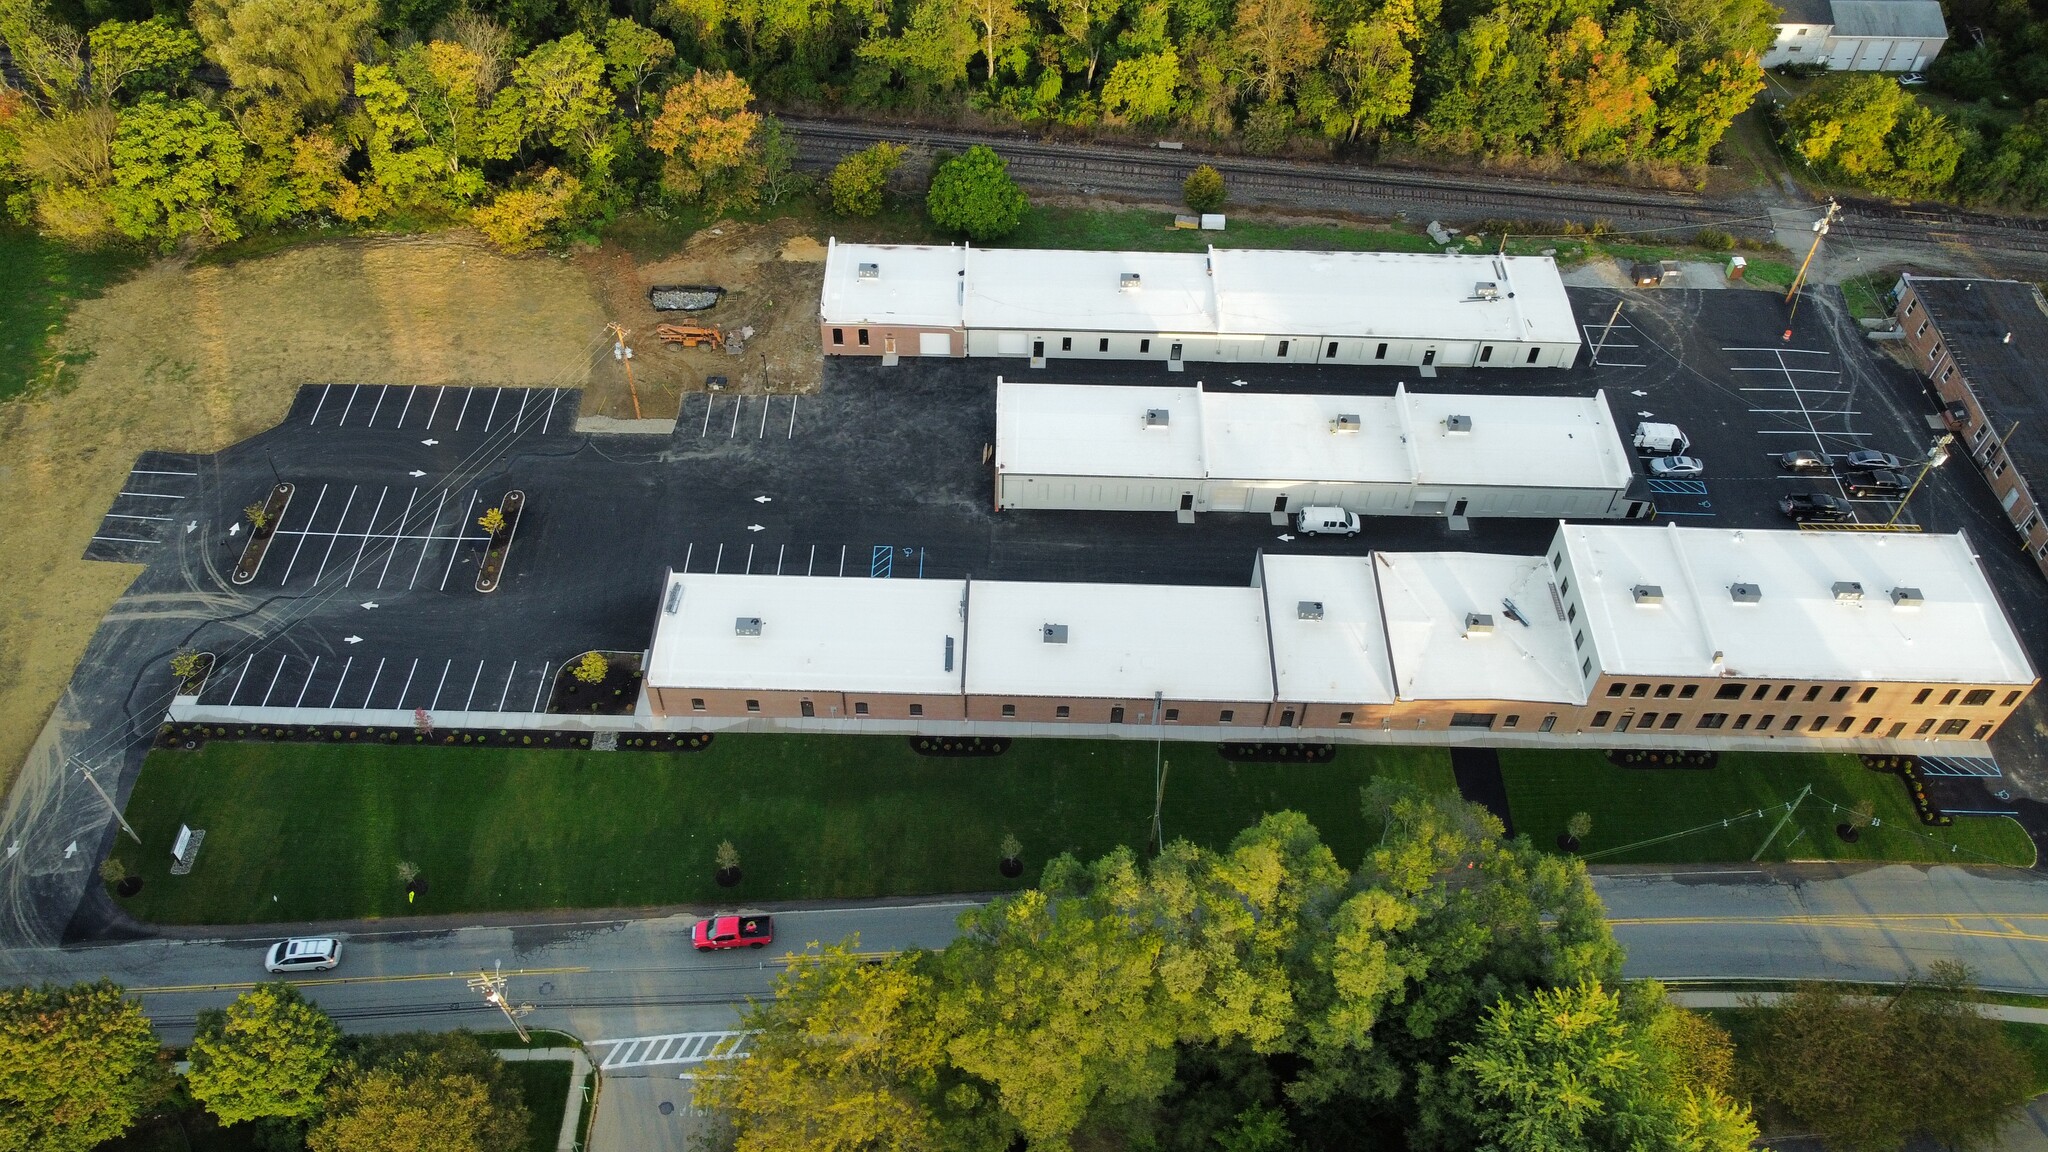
[
  {"x": 521, "y": 414},
  {"x": 307, "y": 684},
  {"x": 553, "y": 395},
  {"x": 442, "y": 684},
  {"x": 792, "y": 419},
  {"x": 507, "y": 693},
  {"x": 470, "y": 699},
  {"x": 540, "y": 687},
  {"x": 456, "y": 549},
  {"x": 409, "y": 394},
  {"x": 244, "y": 676},
  {"x": 350, "y": 582},
  {"x": 132, "y": 516},
  {"x": 404, "y": 517},
  {"x": 302, "y": 540},
  {"x": 273, "y": 681},
  {"x": 1808, "y": 391},
  {"x": 336, "y": 698},
  {"x": 346, "y": 408},
  {"x": 408, "y": 681},
  {"x": 336, "y": 537},
  {"x": 438, "y": 393},
  {"x": 710, "y": 402},
  {"x": 148, "y": 472},
  {"x": 496, "y": 393},
  {"x": 1793, "y": 371},
  {"x": 766, "y": 403},
  {"x": 738, "y": 403},
  {"x": 423, "y": 548},
  {"x": 374, "y": 677},
  {"x": 324, "y": 390},
  {"x": 154, "y": 495},
  {"x": 466, "y": 394},
  {"x": 378, "y": 406}
]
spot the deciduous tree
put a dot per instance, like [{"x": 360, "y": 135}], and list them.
[
  {"x": 300, "y": 49},
  {"x": 973, "y": 193},
  {"x": 633, "y": 54},
  {"x": 705, "y": 129},
  {"x": 422, "y": 1094},
  {"x": 174, "y": 164},
  {"x": 858, "y": 181},
  {"x": 153, "y": 54},
  {"x": 78, "y": 1065},
  {"x": 1141, "y": 88},
  {"x": 518, "y": 220},
  {"x": 267, "y": 1055}
]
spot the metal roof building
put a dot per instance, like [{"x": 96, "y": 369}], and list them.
[{"x": 1399, "y": 308}]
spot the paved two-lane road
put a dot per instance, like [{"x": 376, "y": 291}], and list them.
[{"x": 619, "y": 978}]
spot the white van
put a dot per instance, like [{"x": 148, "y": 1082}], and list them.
[
  {"x": 1326, "y": 521},
  {"x": 1661, "y": 440},
  {"x": 314, "y": 954}
]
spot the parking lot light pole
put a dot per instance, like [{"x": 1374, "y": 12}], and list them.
[{"x": 1936, "y": 453}]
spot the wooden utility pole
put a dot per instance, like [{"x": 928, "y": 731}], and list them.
[
  {"x": 111, "y": 806},
  {"x": 1820, "y": 229},
  {"x": 624, "y": 355}
]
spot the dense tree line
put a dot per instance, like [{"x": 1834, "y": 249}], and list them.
[{"x": 152, "y": 121}]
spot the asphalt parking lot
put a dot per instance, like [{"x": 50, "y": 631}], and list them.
[{"x": 366, "y": 598}]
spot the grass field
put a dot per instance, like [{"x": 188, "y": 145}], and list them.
[
  {"x": 545, "y": 1086},
  {"x": 1634, "y": 804},
  {"x": 43, "y": 279},
  {"x": 317, "y": 831}
]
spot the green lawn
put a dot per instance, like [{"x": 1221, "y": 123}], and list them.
[
  {"x": 43, "y": 279},
  {"x": 301, "y": 831},
  {"x": 1634, "y": 804},
  {"x": 545, "y": 1086},
  {"x": 1120, "y": 229},
  {"x": 1865, "y": 294}
]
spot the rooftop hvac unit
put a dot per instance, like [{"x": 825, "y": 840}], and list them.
[
  {"x": 675, "y": 598},
  {"x": 1745, "y": 593},
  {"x": 1457, "y": 425},
  {"x": 1648, "y": 593},
  {"x": 1848, "y": 590},
  {"x": 1054, "y": 633},
  {"x": 1907, "y": 597},
  {"x": 949, "y": 653},
  {"x": 1308, "y": 610},
  {"x": 747, "y": 626},
  {"x": 1127, "y": 282},
  {"x": 871, "y": 271},
  {"x": 1155, "y": 417},
  {"x": 1486, "y": 290},
  {"x": 1346, "y": 422},
  {"x": 1478, "y": 624}
]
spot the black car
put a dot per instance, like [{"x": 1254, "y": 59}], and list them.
[
  {"x": 1804, "y": 460},
  {"x": 1815, "y": 507},
  {"x": 1880, "y": 482}
]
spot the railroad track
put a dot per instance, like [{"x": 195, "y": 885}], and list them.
[{"x": 1126, "y": 170}]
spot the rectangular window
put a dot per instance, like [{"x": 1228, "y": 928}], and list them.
[
  {"x": 1571, "y": 614},
  {"x": 1062, "y": 712},
  {"x": 860, "y": 707},
  {"x": 1557, "y": 562},
  {"x": 1639, "y": 691},
  {"x": 1345, "y": 717},
  {"x": 1600, "y": 719},
  {"x": 1579, "y": 641},
  {"x": 1867, "y": 696},
  {"x": 1785, "y": 693},
  {"x": 1947, "y": 372},
  {"x": 1565, "y": 586},
  {"x": 1819, "y": 723},
  {"x": 1921, "y": 696},
  {"x": 1144, "y": 346},
  {"x": 806, "y": 709},
  {"x": 1912, "y": 302},
  {"x": 2011, "y": 698},
  {"x": 753, "y": 705},
  {"x": 1688, "y": 691},
  {"x": 1926, "y": 726},
  {"x": 1485, "y": 353},
  {"x": 1840, "y": 695},
  {"x": 1283, "y": 350},
  {"x": 1533, "y": 353},
  {"x": 1172, "y": 714},
  {"x": 1935, "y": 353},
  {"x": 1009, "y": 711},
  {"x": 1511, "y": 722},
  {"x": 862, "y": 336},
  {"x": 1671, "y": 720},
  {"x": 917, "y": 709},
  {"x": 1664, "y": 691},
  {"x": 1977, "y": 697},
  {"x": 1742, "y": 722},
  {"x": 1331, "y": 354},
  {"x": 1874, "y": 723},
  {"x": 1728, "y": 692},
  {"x": 1712, "y": 720},
  {"x": 1616, "y": 689},
  {"x": 1847, "y": 723},
  {"x": 1897, "y": 730},
  {"x": 839, "y": 336},
  {"x": 1103, "y": 345},
  {"x": 1953, "y": 727},
  {"x": 1381, "y": 353},
  {"x": 1812, "y": 693},
  {"x": 1226, "y": 716},
  {"x": 1066, "y": 343},
  {"x": 1792, "y": 722},
  {"x": 1647, "y": 720},
  {"x": 1949, "y": 697},
  {"x": 1116, "y": 714},
  {"x": 1763, "y": 722},
  {"x": 1983, "y": 730},
  {"x": 1586, "y": 667},
  {"x": 696, "y": 703},
  {"x": 1763, "y": 692},
  {"x": 1920, "y": 331}
]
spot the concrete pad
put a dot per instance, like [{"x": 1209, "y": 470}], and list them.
[{"x": 630, "y": 1115}]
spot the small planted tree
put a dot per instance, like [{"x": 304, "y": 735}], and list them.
[
  {"x": 1856, "y": 819},
  {"x": 1576, "y": 829},
  {"x": 1012, "y": 863},
  {"x": 113, "y": 871},
  {"x": 187, "y": 664},
  {"x": 728, "y": 860},
  {"x": 592, "y": 668},
  {"x": 257, "y": 515},
  {"x": 407, "y": 872},
  {"x": 492, "y": 521},
  {"x": 1203, "y": 189},
  {"x": 857, "y": 182}
]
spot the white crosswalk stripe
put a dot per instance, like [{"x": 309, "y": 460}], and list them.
[{"x": 672, "y": 1048}]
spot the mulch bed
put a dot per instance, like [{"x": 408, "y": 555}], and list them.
[
  {"x": 197, "y": 681},
  {"x": 959, "y": 745},
  {"x": 1640, "y": 758},
  {"x": 500, "y": 548},
  {"x": 1275, "y": 753},
  {"x": 193, "y": 735},
  {"x": 616, "y": 695},
  {"x": 259, "y": 538}
]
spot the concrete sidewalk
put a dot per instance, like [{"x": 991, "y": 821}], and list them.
[
  {"x": 2012, "y": 1012},
  {"x": 572, "y": 1113}
]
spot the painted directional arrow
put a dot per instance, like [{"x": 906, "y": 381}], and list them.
[
  {"x": 71, "y": 850},
  {"x": 235, "y": 529},
  {"x": 763, "y": 499},
  {"x": 1638, "y": 392},
  {"x": 430, "y": 441},
  {"x": 1285, "y": 536},
  {"x": 351, "y": 639},
  {"x": 369, "y": 603},
  {"x": 757, "y": 527},
  {"x": 191, "y": 526},
  {"x": 1646, "y": 415},
  {"x": 415, "y": 473}
]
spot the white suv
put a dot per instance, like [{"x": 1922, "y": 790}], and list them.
[
  {"x": 303, "y": 955},
  {"x": 1326, "y": 521}
]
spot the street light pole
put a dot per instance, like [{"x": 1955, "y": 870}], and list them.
[
  {"x": 1936, "y": 453},
  {"x": 492, "y": 985}
]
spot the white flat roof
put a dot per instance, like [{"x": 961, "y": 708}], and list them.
[
  {"x": 1797, "y": 629},
  {"x": 1341, "y": 656},
  {"x": 1426, "y": 597},
  {"x": 1222, "y": 434},
  {"x": 1065, "y": 430},
  {"x": 817, "y": 634},
  {"x": 1122, "y": 641},
  {"x": 1222, "y": 292},
  {"x": 914, "y": 285}
]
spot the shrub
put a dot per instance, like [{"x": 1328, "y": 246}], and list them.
[
  {"x": 1203, "y": 189},
  {"x": 858, "y": 182},
  {"x": 973, "y": 193}
]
